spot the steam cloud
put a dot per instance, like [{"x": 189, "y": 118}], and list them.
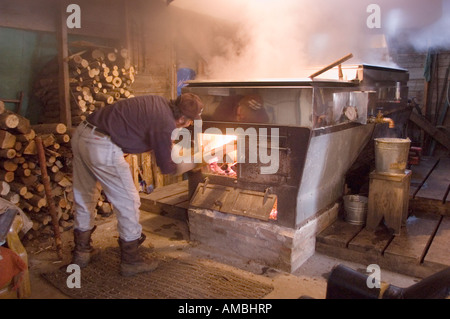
[{"x": 276, "y": 39}]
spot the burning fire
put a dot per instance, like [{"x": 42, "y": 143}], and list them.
[
  {"x": 218, "y": 147},
  {"x": 215, "y": 145},
  {"x": 274, "y": 212},
  {"x": 225, "y": 169}
]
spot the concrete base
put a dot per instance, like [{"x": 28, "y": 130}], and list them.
[{"x": 266, "y": 243}]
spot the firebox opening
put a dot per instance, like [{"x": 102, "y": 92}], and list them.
[{"x": 220, "y": 152}]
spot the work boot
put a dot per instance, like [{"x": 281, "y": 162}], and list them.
[
  {"x": 131, "y": 262},
  {"x": 83, "y": 252}
]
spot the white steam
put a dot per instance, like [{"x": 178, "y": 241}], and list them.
[
  {"x": 436, "y": 35},
  {"x": 290, "y": 38}
]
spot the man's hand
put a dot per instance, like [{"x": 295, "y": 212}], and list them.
[
  {"x": 185, "y": 167},
  {"x": 198, "y": 162}
]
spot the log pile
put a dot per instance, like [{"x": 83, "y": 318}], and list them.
[
  {"x": 21, "y": 180},
  {"x": 97, "y": 78}
]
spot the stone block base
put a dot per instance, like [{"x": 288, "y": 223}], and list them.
[{"x": 266, "y": 243}]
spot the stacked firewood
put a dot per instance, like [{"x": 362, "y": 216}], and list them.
[
  {"x": 21, "y": 180},
  {"x": 98, "y": 77}
]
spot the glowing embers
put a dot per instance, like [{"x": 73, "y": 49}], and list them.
[
  {"x": 274, "y": 212},
  {"x": 225, "y": 169},
  {"x": 220, "y": 152}
]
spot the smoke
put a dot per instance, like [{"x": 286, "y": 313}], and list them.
[
  {"x": 436, "y": 35},
  {"x": 290, "y": 38}
]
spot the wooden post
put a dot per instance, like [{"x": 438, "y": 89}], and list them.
[
  {"x": 63, "y": 54},
  {"x": 48, "y": 195},
  {"x": 127, "y": 27},
  {"x": 332, "y": 65}
]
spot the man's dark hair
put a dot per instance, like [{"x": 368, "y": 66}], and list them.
[
  {"x": 188, "y": 105},
  {"x": 175, "y": 109}
]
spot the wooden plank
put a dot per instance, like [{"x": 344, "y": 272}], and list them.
[
  {"x": 171, "y": 200},
  {"x": 172, "y": 211},
  {"x": 135, "y": 171},
  {"x": 147, "y": 172},
  {"x": 434, "y": 132},
  {"x": 158, "y": 178},
  {"x": 338, "y": 234},
  {"x": 171, "y": 187},
  {"x": 439, "y": 252},
  {"x": 371, "y": 242},
  {"x": 167, "y": 191},
  {"x": 425, "y": 205},
  {"x": 175, "y": 199},
  {"x": 411, "y": 244},
  {"x": 184, "y": 205},
  {"x": 437, "y": 183},
  {"x": 132, "y": 162},
  {"x": 162, "y": 198},
  {"x": 365, "y": 249},
  {"x": 398, "y": 265},
  {"x": 420, "y": 172}
]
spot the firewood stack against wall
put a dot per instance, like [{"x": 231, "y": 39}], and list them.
[
  {"x": 21, "y": 176},
  {"x": 98, "y": 77}
]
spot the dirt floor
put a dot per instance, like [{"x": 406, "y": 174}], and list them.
[{"x": 169, "y": 237}]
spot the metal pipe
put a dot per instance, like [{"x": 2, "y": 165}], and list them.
[
  {"x": 381, "y": 119},
  {"x": 390, "y": 121}
]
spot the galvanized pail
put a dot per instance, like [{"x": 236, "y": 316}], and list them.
[
  {"x": 355, "y": 207},
  {"x": 391, "y": 155}
]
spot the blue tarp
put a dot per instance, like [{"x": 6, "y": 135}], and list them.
[{"x": 184, "y": 74}]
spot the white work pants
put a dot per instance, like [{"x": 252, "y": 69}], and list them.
[{"x": 97, "y": 160}]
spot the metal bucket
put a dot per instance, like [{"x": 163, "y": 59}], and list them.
[
  {"x": 391, "y": 155},
  {"x": 355, "y": 207}
]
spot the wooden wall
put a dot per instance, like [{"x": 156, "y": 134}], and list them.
[
  {"x": 429, "y": 95},
  {"x": 99, "y": 18},
  {"x": 30, "y": 34},
  {"x": 29, "y": 31},
  {"x": 151, "y": 44}
]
